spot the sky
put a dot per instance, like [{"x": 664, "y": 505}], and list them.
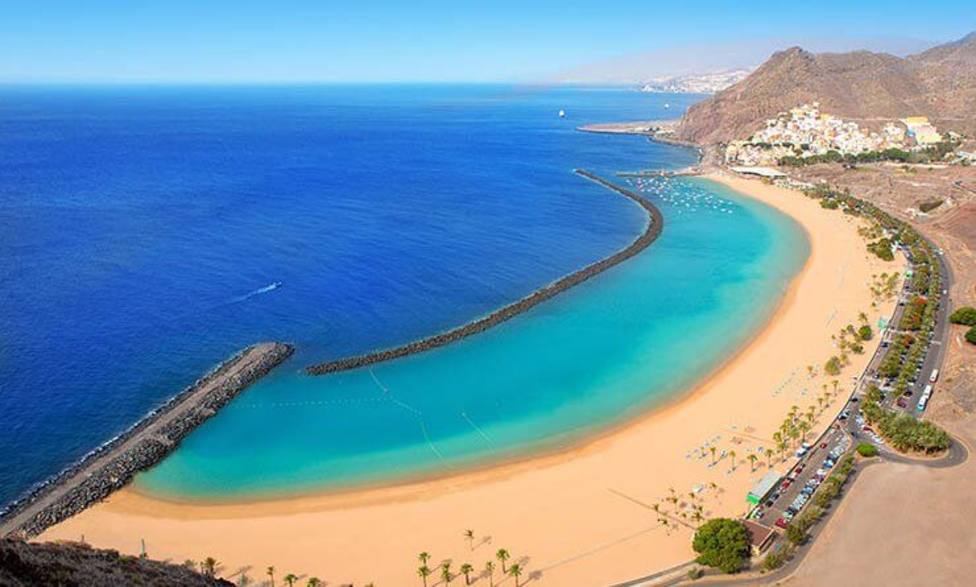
[{"x": 215, "y": 41}]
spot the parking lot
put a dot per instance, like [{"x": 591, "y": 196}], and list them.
[{"x": 794, "y": 490}]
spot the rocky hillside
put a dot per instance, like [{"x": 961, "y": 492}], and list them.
[
  {"x": 939, "y": 83},
  {"x": 34, "y": 564}
]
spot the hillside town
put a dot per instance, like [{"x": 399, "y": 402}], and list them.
[{"x": 805, "y": 132}]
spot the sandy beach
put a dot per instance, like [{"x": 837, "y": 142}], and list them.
[{"x": 581, "y": 517}]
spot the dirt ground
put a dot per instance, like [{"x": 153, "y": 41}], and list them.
[{"x": 902, "y": 524}]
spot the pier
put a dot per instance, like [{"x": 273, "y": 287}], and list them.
[
  {"x": 112, "y": 466},
  {"x": 652, "y": 230}
]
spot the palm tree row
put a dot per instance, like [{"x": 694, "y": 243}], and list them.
[{"x": 447, "y": 575}]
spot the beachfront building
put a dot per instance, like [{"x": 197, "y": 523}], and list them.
[
  {"x": 805, "y": 131},
  {"x": 760, "y": 536}
]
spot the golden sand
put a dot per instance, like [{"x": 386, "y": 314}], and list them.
[{"x": 582, "y": 517}]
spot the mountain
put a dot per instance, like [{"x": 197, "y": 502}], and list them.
[
  {"x": 939, "y": 83},
  {"x": 708, "y": 83}
]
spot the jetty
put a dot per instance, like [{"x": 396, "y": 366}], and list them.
[
  {"x": 653, "y": 228},
  {"x": 113, "y": 465}
]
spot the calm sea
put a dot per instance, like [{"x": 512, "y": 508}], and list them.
[{"x": 143, "y": 231}]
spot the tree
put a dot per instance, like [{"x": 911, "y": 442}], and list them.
[
  {"x": 423, "y": 557},
  {"x": 971, "y": 335},
  {"x": 243, "y": 580},
  {"x": 466, "y": 570},
  {"x": 469, "y": 535},
  {"x": 752, "y": 462},
  {"x": 314, "y": 582},
  {"x": 711, "y": 449},
  {"x": 271, "y": 575},
  {"x": 732, "y": 454},
  {"x": 423, "y": 572},
  {"x": 965, "y": 316},
  {"x": 446, "y": 572},
  {"x": 490, "y": 569},
  {"x": 209, "y": 565},
  {"x": 502, "y": 555},
  {"x": 515, "y": 571},
  {"x": 722, "y": 543},
  {"x": 796, "y": 534},
  {"x": 290, "y": 578}
]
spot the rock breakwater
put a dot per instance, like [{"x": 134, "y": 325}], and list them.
[
  {"x": 652, "y": 230},
  {"x": 114, "y": 464}
]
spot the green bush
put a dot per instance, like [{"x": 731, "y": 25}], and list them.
[
  {"x": 965, "y": 316},
  {"x": 722, "y": 543},
  {"x": 774, "y": 560},
  {"x": 864, "y": 332},
  {"x": 696, "y": 573},
  {"x": 971, "y": 335},
  {"x": 866, "y": 449},
  {"x": 882, "y": 248},
  {"x": 832, "y": 367}
]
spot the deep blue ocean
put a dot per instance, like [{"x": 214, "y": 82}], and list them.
[{"x": 141, "y": 228}]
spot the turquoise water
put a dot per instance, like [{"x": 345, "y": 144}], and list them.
[{"x": 600, "y": 354}]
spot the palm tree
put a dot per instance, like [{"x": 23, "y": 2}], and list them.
[
  {"x": 752, "y": 462},
  {"x": 423, "y": 557},
  {"x": 732, "y": 454},
  {"x": 516, "y": 571},
  {"x": 314, "y": 582},
  {"x": 804, "y": 427},
  {"x": 446, "y": 572},
  {"x": 244, "y": 580},
  {"x": 209, "y": 565},
  {"x": 190, "y": 564},
  {"x": 769, "y": 457},
  {"x": 466, "y": 569},
  {"x": 490, "y": 569},
  {"x": 469, "y": 535},
  {"x": 271, "y": 574},
  {"x": 424, "y": 572},
  {"x": 290, "y": 578},
  {"x": 711, "y": 449},
  {"x": 502, "y": 555}
]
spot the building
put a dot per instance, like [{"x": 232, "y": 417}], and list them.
[
  {"x": 806, "y": 132},
  {"x": 760, "y": 536},
  {"x": 922, "y": 130},
  {"x": 763, "y": 487}
]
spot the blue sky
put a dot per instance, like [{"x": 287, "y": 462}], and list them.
[{"x": 459, "y": 40}]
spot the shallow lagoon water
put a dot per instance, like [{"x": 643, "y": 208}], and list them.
[{"x": 608, "y": 350}]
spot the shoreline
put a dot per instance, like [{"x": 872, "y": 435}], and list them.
[
  {"x": 652, "y": 229},
  {"x": 113, "y": 464},
  {"x": 574, "y": 495}
]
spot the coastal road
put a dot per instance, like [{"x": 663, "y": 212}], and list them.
[{"x": 250, "y": 358}]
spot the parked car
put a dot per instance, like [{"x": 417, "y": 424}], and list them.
[{"x": 782, "y": 523}]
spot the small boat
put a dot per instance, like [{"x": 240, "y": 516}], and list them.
[{"x": 562, "y": 114}]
